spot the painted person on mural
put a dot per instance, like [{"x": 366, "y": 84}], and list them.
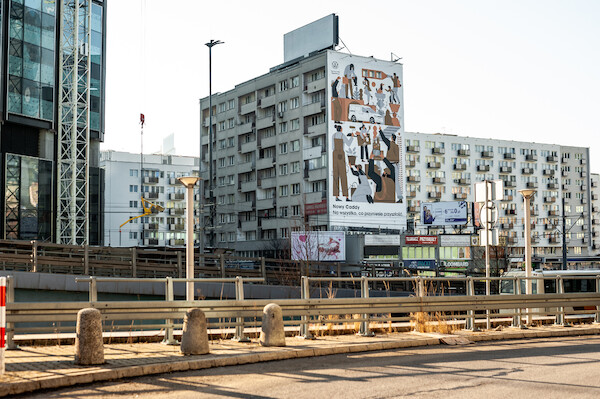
[
  {"x": 393, "y": 156},
  {"x": 385, "y": 187},
  {"x": 362, "y": 192},
  {"x": 349, "y": 79},
  {"x": 340, "y": 176}
]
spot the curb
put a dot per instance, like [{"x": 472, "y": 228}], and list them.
[{"x": 86, "y": 377}]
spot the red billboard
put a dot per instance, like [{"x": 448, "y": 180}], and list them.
[{"x": 421, "y": 240}]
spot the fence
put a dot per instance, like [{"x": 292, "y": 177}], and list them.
[{"x": 241, "y": 313}]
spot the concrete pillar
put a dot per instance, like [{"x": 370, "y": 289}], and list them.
[
  {"x": 272, "y": 333},
  {"x": 194, "y": 339},
  {"x": 89, "y": 347}
]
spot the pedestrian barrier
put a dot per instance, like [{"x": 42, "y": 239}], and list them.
[{"x": 2, "y": 322}]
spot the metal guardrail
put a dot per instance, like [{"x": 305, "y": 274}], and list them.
[{"x": 302, "y": 312}]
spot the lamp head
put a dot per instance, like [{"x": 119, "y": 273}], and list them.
[
  {"x": 527, "y": 193},
  {"x": 188, "y": 181}
]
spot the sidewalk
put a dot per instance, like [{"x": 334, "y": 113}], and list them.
[{"x": 46, "y": 367}]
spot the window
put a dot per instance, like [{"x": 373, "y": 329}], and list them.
[
  {"x": 283, "y": 169},
  {"x": 133, "y": 172},
  {"x": 295, "y": 81},
  {"x": 221, "y": 181},
  {"x": 231, "y": 104},
  {"x": 294, "y": 103},
  {"x": 133, "y": 204},
  {"x": 222, "y": 162},
  {"x": 282, "y": 106},
  {"x": 222, "y": 144},
  {"x": 133, "y": 188},
  {"x": 295, "y": 124},
  {"x": 295, "y": 145},
  {"x": 231, "y": 160},
  {"x": 283, "y": 148},
  {"x": 221, "y": 107},
  {"x": 221, "y": 125},
  {"x": 283, "y": 85},
  {"x": 230, "y": 123},
  {"x": 231, "y": 142},
  {"x": 133, "y": 235},
  {"x": 283, "y": 191},
  {"x": 284, "y": 232},
  {"x": 296, "y": 189},
  {"x": 295, "y": 210},
  {"x": 283, "y": 127},
  {"x": 283, "y": 211},
  {"x": 295, "y": 167}
]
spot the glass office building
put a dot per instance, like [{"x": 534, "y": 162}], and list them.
[{"x": 29, "y": 106}]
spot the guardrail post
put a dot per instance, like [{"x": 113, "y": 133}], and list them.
[
  {"x": 93, "y": 294},
  {"x": 179, "y": 265},
  {"x": 10, "y": 327},
  {"x": 263, "y": 268},
  {"x": 305, "y": 294},
  {"x": 169, "y": 297},
  {"x": 420, "y": 287},
  {"x": 470, "y": 320},
  {"x": 222, "y": 264},
  {"x": 239, "y": 296},
  {"x": 86, "y": 260},
  {"x": 34, "y": 255},
  {"x": 133, "y": 262},
  {"x": 516, "y": 322},
  {"x": 597, "y": 318},
  {"x": 560, "y": 314},
  {"x": 365, "y": 331}
]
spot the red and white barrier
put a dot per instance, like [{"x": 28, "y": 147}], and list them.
[{"x": 2, "y": 322}]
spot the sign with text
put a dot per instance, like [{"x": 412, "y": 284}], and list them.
[
  {"x": 419, "y": 264},
  {"x": 319, "y": 245},
  {"x": 421, "y": 240},
  {"x": 455, "y": 240},
  {"x": 449, "y": 213}
]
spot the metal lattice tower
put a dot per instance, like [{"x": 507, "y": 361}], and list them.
[{"x": 73, "y": 128}]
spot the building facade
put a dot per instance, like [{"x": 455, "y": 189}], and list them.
[
  {"x": 48, "y": 194},
  {"x": 128, "y": 180}
]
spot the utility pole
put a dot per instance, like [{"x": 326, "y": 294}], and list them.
[{"x": 564, "y": 236}]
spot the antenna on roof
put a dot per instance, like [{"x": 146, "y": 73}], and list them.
[
  {"x": 346, "y": 47},
  {"x": 394, "y": 57}
]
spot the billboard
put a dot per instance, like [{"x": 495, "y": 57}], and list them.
[
  {"x": 444, "y": 213},
  {"x": 317, "y": 35},
  {"x": 319, "y": 245},
  {"x": 366, "y": 142}
]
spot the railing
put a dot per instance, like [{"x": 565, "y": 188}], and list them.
[{"x": 241, "y": 313}]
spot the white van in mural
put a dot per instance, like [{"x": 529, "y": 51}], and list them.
[{"x": 363, "y": 113}]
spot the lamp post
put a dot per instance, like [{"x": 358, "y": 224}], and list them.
[
  {"x": 189, "y": 182},
  {"x": 527, "y": 195},
  {"x": 210, "y": 45}
]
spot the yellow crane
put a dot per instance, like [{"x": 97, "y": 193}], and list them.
[{"x": 149, "y": 209}]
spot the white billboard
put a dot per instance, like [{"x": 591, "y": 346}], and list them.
[
  {"x": 317, "y": 35},
  {"x": 366, "y": 143},
  {"x": 319, "y": 245},
  {"x": 444, "y": 213}
]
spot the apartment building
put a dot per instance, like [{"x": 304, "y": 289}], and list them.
[{"x": 129, "y": 178}]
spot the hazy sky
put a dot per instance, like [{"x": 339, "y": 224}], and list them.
[{"x": 523, "y": 70}]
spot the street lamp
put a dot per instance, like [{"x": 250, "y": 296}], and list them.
[
  {"x": 210, "y": 45},
  {"x": 527, "y": 195},
  {"x": 189, "y": 182}
]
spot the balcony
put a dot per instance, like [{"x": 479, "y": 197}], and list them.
[
  {"x": 150, "y": 180},
  {"x": 487, "y": 154},
  {"x": 464, "y": 153},
  {"x": 506, "y": 169},
  {"x": 265, "y": 122},
  {"x": 483, "y": 168},
  {"x": 267, "y": 102},
  {"x": 582, "y": 174},
  {"x": 266, "y": 142},
  {"x": 413, "y": 148},
  {"x": 176, "y": 241},
  {"x": 265, "y": 163},
  {"x": 460, "y": 196},
  {"x": 176, "y": 211},
  {"x": 507, "y": 226},
  {"x": 176, "y": 196},
  {"x": 551, "y": 158},
  {"x": 413, "y": 209},
  {"x": 433, "y": 165},
  {"x": 150, "y": 241},
  {"x": 509, "y": 155},
  {"x": 512, "y": 240},
  {"x": 315, "y": 85},
  {"x": 553, "y": 240},
  {"x": 439, "y": 180},
  {"x": 173, "y": 181},
  {"x": 548, "y": 172},
  {"x": 246, "y": 167},
  {"x": 527, "y": 171},
  {"x": 553, "y": 186},
  {"x": 176, "y": 227},
  {"x": 247, "y": 108},
  {"x": 510, "y": 183},
  {"x": 414, "y": 179},
  {"x": 150, "y": 195},
  {"x": 411, "y": 194},
  {"x": 549, "y": 200},
  {"x": 531, "y": 157},
  {"x": 266, "y": 203},
  {"x": 248, "y": 147},
  {"x": 434, "y": 195},
  {"x": 510, "y": 211},
  {"x": 582, "y": 161},
  {"x": 246, "y": 186},
  {"x": 249, "y": 225},
  {"x": 584, "y": 201},
  {"x": 247, "y": 127},
  {"x": 564, "y": 173},
  {"x": 552, "y": 213},
  {"x": 438, "y": 150},
  {"x": 460, "y": 166},
  {"x": 464, "y": 182},
  {"x": 507, "y": 198},
  {"x": 410, "y": 164},
  {"x": 150, "y": 226},
  {"x": 532, "y": 184},
  {"x": 549, "y": 227}
]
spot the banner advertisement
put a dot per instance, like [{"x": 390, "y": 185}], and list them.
[
  {"x": 382, "y": 240},
  {"x": 319, "y": 245},
  {"x": 455, "y": 240},
  {"x": 419, "y": 264},
  {"x": 366, "y": 142},
  {"x": 449, "y": 213},
  {"x": 421, "y": 240}
]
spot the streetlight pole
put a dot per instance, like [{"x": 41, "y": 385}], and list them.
[
  {"x": 189, "y": 182},
  {"x": 527, "y": 195},
  {"x": 210, "y": 45}
]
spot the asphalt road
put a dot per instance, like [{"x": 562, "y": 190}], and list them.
[{"x": 541, "y": 368}]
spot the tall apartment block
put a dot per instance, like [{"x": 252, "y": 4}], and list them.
[
  {"x": 319, "y": 143},
  {"x": 129, "y": 178},
  {"x": 52, "y": 111}
]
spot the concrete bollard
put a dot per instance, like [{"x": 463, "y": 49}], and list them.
[
  {"x": 272, "y": 333},
  {"x": 194, "y": 339},
  {"x": 89, "y": 347}
]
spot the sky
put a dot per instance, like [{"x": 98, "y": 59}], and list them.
[{"x": 523, "y": 70}]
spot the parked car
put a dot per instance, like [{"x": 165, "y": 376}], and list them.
[{"x": 363, "y": 113}]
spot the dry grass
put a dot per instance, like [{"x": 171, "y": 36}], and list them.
[{"x": 431, "y": 322}]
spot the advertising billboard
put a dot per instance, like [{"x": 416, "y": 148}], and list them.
[
  {"x": 444, "y": 213},
  {"x": 319, "y": 245},
  {"x": 366, "y": 142}
]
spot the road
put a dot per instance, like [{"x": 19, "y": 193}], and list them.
[{"x": 547, "y": 368}]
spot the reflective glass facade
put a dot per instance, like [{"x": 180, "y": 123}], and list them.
[
  {"x": 31, "y": 58},
  {"x": 96, "y": 67}
]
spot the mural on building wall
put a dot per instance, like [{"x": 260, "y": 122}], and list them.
[{"x": 366, "y": 151}]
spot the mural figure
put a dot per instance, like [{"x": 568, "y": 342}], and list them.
[
  {"x": 339, "y": 163},
  {"x": 393, "y": 156},
  {"x": 363, "y": 191},
  {"x": 385, "y": 187},
  {"x": 380, "y": 96},
  {"x": 349, "y": 78},
  {"x": 364, "y": 140},
  {"x": 334, "y": 87},
  {"x": 367, "y": 91},
  {"x": 397, "y": 85},
  {"x": 427, "y": 216},
  {"x": 393, "y": 96}
]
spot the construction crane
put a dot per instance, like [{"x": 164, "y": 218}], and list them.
[{"x": 149, "y": 209}]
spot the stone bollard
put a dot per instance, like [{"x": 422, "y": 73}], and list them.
[
  {"x": 272, "y": 333},
  {"x": 89, "y": 346},
  {"x": 194, "y": 339}
]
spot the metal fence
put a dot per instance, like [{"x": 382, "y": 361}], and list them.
[{"x": 167, "y": 314}]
